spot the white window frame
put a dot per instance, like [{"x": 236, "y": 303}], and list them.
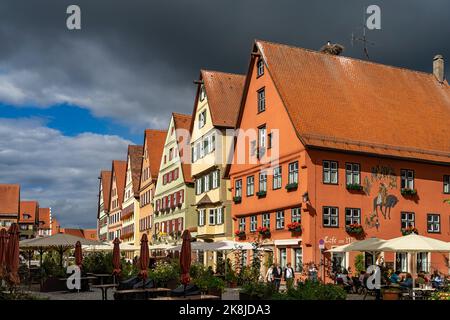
[
  {"x": 433, "y": 224},
  {"x": 293, "y": 172},
  {"x": 352, "y": 215},
  {"x": 260, "y": 67},
  {"x": 253, "y": 223},
  {"x": 202, "y": 119},
  {"x": 277, "y": 178},
  {"x": 352, "y": 173},
  {"x": 250, "y": 186},
  {"x": 241, "y": 224},
  {"x": 201, "y": 217},
  {"x": 330, "y": 171},
  {"x": 261, "y": 96},
  {"x": 220, "y": 215},
  {"x": 262, "y": 137},
  {"x": 298, "y": 259},
  {"x": 296, "y": 215},
  {"x": 279, "y": 220},
  {"x": 238, "y": 188},
  {"x": 266, "y": 220},
  {"x": 215, "y": 180},
  {"x": 407, "y": 219},
  {"x": 407, "y": 179},
  {"x": 332, "y": 214},
  {"x": 263, "y": 181},
  {"x": 212, "y": 217}
]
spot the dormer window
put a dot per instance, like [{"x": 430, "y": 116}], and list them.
[
  {"x": 202, "y": 119},
  {"x": 260, "y": 67},
  {"x": 202, "y": 93}
]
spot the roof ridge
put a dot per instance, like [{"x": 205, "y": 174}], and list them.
[
  {"x": 345, "y": 57},
  {"x": 223, "y": 72},
  {"x": 158, "y": 130}
]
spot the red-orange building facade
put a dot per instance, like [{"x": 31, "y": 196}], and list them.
[{"x": 338, "y": 141}]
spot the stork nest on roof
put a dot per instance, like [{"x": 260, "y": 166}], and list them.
[{"x": 332, "y": 48}]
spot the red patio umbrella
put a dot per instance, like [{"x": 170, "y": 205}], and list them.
[
  {"x": 116, "y": 259},
  {"x": 144, "y": 257},
  {"x": 3, "y": 244},
  {"x": 78, "y": 254},
  {"x": 185, "y": 258},
  {"x": 12, "y": 255}
]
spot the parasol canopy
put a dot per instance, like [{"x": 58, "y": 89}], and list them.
[
  {"x": 78, "y": 254},
  {"x": 185, "y": 257},
  {"x": 3, "y": 244},
  {"x": 116, "y": 257},
  {"x": 144, "y": 257},
  {"x": 12, "y": 255}
]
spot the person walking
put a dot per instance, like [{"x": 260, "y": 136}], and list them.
[
  {"x": 277, "y": 273},
  {"x": 269, "y": 274},
  {"x": 289, "y": 276}
]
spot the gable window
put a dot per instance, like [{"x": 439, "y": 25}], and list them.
[
  {"x": 407, "y": 219},
  {"x": 433, "y": 223},
  {"x": 242, "y": 224},
  {"x": 206, "y": 183},
  {"x": 253, "y": 223},
  {"x": 352, "y": 173},
  {"x": 198, "y": 187},
  {"x": 293, "y": 172},
  {"x": 261, "y": 100},
  {"x": 202, "y": 119},
  {"x": 407, "y": 179},
  {"x": 250, "y": 185},
  {"x": 330, "y": 172},
  {"x": 263, "y": 182},
  {"x": 201, "y": 217},
  {"x": 330, "y": 217},
  {"x": 219, "y": 218},
  {"x": 279, "y": 220},
  {"x": 296, "y": 215},
  {"x": 238, "y": 188},
  {"x": 170, "y": 154},
  {"x": 266, "y": 220},
  {"x": 277, "y": 178},
  {"x": 212, "y": 216},
  {"x": 202, "y": 93},
  {"x": 352, "y": 215},
  {"x": 262, "y": 137},
  {"x": 447, "y": 184},
  {"x": 260, "y": 67}
]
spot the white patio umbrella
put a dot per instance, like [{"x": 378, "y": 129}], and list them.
[
  {"x": 414, "y": 243},
  {"x": 107, "y": 246},
  {"x": 371, "y": 244}
]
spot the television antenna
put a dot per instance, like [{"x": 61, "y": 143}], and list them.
[{"x": 363, "y": 39}]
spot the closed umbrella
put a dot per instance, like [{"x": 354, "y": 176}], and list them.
[
  {"x": 144, "y": 258},
  {"x": 12, "y": 255},
  {"x": 78, "y": 254},
  {"x": 116, "y": 259},
  {"x": 3, "y": 245},
  {"x": 185, "y": 258}
]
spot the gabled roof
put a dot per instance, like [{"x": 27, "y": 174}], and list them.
[
  {"x": 135, "y": 154},
  {"x": 9, "y": 199},
  {"x": 183, "y": 121},
  {"x": 119, "y": 170},
  {"x": 30, "y": 208},
  {"x": 44, "y": 218},
  {"x": 154, "y": 140},
  {"x": 106, "y": 177},
  {"x": 56, "y": 227},
  {"x": 224, "y": 93},
  {"x": 337, "y": 102}
]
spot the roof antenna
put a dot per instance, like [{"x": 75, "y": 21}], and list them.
[{"x": 363, "y": 39}]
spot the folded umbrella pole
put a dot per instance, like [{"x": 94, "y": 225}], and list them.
[
  {"x": 12, "y": 256},
  {"x": 144, "y": 259},
  {"x": 116, "y": 259},
  {"x": 185, "y": 259}
]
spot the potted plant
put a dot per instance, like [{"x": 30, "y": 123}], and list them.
[
  {"x": 391, "y": 293},
  {"x": 409, "y": 230},
  {"x": 237, "y": 199},
  {"x": 240, "y": 234},
  {"x": 295, "y": 227},
  {"x": 408, "y": 192},
  {"x": 354, "y": 229},
  {"x": 264, "y": 232},
  {"x": 231, "y": 278},
  {"x": 354, "y": 187},
  {"x": 261, "y": 194},
  {"x": 292, "y": 186}
]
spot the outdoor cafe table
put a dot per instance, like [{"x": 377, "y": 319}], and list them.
[
  {"x": 104, "y": 288},
  {"x": 193, "y": 297},
  {"x": 147, "y": 292},
  {"x": 102, "y": 276}
]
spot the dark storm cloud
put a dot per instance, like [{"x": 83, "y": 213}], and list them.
[{"x": 135, "y": 60}]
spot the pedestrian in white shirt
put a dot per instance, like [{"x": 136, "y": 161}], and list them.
[
  {"x": 269, "y": 274},
  {"x": 289, "y": 276}
]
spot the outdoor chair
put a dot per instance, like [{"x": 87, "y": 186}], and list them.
[{"x": 180, "y": 291}]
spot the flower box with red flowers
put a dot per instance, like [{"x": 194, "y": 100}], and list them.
[
  {"x": 409, "y": 230},
  {"x": 354, "y": 187},
  {"x": 354, "y": 228},
  {"x": 295, "y": 227},
  {"x": 264, "y": 231},
  {"x": 239, "y": 233}
]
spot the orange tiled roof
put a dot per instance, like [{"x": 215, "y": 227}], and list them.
[
  {"x": 56, "y": 227},
  {"x": 30, "y": 208},
  {"x": 9, "y": 199},
  {"x": 224, "y": 93},
  {"x": 119, "y": 170},
  {"x": 44, "y": 218},
  {"x": 90, "y": 234},
  {"x": 353, "y": 105},
  {"x": 155, "y": 139},
  {"x": 135, "y": 153},
  {"x": 183, "y": 121},
  {"x": 106, "y": 186}
]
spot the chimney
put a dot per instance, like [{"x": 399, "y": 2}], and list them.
[{"x": 438, "y": 67}]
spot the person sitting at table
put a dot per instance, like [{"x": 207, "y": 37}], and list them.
[
  {"x": 407, "y": 283},
  {"x": 395, "y": 277},
  {"x": 437, "y": 280}
]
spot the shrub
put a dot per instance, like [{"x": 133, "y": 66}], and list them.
[
  {"x": 359, "y": 263},
  {"x": 258, "y": 290},
  {"x": 310, "y": 290},
  {"x": 164, "y": 272}
]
